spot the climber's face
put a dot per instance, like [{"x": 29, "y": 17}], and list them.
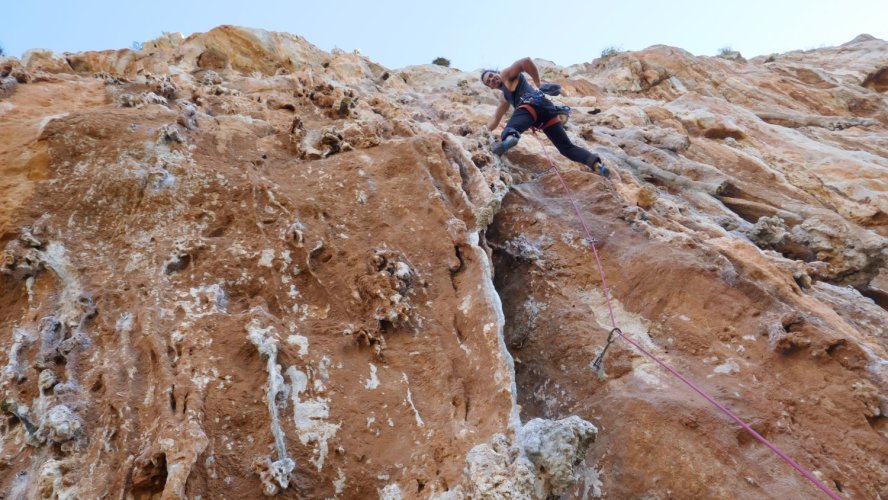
[{"x": 492, "y": 79}]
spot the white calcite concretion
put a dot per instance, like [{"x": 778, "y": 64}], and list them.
[
  {"x": 299, "y": 340},
  {"x": 497, "y": 470},
  {"x": 556, "y": 448},
  {"x": 61, "y": 424},
  {"x": 51, "y": 481},
  {"x": 542, "y": 464},
  {"x": 310, "y": 417},
  {"x": 57, "y": 259},
  {"x": 21, "y": 340},
  {"x": 372, "y": 381},
  {"x": 390, "y": 492}
]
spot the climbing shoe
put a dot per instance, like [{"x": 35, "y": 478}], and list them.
[
  {"x": 595, "y": 165},
  {"x": 604, "y": 171},
  {"x": 507, "y": 144}
]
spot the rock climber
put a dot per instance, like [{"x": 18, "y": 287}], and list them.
[{"x": 532, "y": 108}]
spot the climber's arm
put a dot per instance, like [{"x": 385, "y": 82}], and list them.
[
  {"x": 501, "y": 110},
  {"x": 525, "y": 65}
]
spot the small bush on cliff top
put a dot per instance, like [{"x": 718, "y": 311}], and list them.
[
  {"x": 1, "y": 50},
  {"x": 727, "y": 49},
  {"x": 440, "y": 61},
  {"x": 610, "y": 51}
]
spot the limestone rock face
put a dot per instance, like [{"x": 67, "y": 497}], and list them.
[
  {"x": 235, "y": 265},
  {"x": 555, "y": 448},
  {"x": 541, "y": 464},
  {"x": 45, "y": 60}
]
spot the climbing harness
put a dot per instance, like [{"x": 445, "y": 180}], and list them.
[
  {"x": 533, "y": 114},
  {"x": 616, "y": 330},
  {"x": 537, "y": 99}
]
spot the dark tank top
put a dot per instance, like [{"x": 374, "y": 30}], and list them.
[{"x": 514, "y": 97}]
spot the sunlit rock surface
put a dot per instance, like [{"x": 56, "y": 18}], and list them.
[{"x": 236, "y": 265}]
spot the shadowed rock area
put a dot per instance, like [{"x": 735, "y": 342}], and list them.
[{"x": 235, "y": 265}]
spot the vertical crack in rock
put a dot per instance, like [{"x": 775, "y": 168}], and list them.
[
  {"x": 528, "y": 468},
  {"x": 495, "y": 328}
]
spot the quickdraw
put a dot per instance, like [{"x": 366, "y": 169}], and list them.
[{"x": 610, "y": 340}]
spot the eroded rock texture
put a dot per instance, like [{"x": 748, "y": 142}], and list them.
[{"x": 235, "y": 265}]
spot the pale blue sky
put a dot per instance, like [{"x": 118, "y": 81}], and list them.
[{"x": 472, "y": 34}]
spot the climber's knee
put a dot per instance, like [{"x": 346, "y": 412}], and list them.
[{"x": 509, "y": 131}]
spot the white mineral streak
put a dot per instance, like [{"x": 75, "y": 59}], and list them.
[
  {"x": 56, "y": 258},
  {"x": 728, "y": 367},
  {"x": 390, "y": 492},
  {"x": 409, "y": 401},
  {"x": 265, "y": 340},
  {"x": 206, "y": 299},
  {"x": 372, "y": 381},
  {"x": 310, "y": 417},
  {"x": 300, "y": 341},
  {"x": 21, "y": 340},
  {"x": 339, "y": 483},
  {"x": 266, "y": 258}
]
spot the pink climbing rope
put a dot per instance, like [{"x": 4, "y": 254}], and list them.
[{"x": 786, "y": 458}]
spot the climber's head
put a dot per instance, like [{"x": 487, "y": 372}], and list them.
[{"x": 491, "y": 78}]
